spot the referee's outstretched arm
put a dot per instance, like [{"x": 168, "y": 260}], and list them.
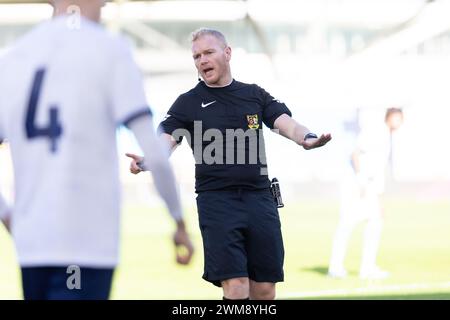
[{"x": 300, "y": 134}]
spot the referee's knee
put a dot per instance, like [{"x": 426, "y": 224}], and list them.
[
  {"x": 236, "y": 288},
  {"x": 262, "y": 291}
]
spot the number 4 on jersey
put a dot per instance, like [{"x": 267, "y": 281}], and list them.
[{"x": 53, "y": 130}]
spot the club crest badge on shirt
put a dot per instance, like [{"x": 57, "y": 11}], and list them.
[{"x": 253, "y": 121}]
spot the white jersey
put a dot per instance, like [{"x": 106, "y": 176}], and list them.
[
  {"x": 64, "y": 92},
  {"x": 373, "y": 147}
]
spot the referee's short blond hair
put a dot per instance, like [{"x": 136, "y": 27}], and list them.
[{"x": 212, "y": 32}]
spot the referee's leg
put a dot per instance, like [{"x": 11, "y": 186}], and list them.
[
  {"x": 265, "y": 249},
  {"x": 262, "y": 290},
  {"x": 236, "y": 288}
]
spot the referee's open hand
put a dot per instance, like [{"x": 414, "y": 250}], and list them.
[
  {"x": 317, "y": 142},
  {"x": 134, "y": 167}
]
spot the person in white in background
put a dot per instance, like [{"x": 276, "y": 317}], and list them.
[
  {"x": 69, "y": 87},
  {"x": 360, "y": 201}
]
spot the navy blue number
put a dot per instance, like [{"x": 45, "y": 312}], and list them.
[{"x": 53, "y": 130}]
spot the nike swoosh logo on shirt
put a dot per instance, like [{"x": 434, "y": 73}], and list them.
[{"x": 204, "y": 105}]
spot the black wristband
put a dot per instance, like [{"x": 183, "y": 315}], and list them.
[{"x": 310, "y": 135}]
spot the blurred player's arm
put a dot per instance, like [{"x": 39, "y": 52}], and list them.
[
  {"x": 178, "y": 118},
  {"x": 136, "y": 164},
  {"x": 291, "y": 129},
  {"x": 4, "y": 213},
  {"x": 4, "y": 209},
  {"x": 126, "y": 93},
  {"x": 156, "y": 160}
]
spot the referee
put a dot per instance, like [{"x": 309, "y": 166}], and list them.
[{"x": 221, "y": 119}]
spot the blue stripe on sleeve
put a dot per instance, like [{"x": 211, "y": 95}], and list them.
[{"x": 143, "y": 112}]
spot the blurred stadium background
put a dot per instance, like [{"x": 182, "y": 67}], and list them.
[{"x": 338, "y": 64}]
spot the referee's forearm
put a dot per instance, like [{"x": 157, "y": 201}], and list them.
[
  {"x": 295, "y": 132},
  {"x": 299, "y": 133},
  {"x": 291, "y": 129}
]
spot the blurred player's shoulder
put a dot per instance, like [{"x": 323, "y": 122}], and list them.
[{"x": 60, "y": 33}]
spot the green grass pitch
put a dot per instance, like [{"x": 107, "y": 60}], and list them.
[{"x": 415, "y": 249}]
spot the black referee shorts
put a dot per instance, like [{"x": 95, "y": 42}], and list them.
[{"x": 241, "y": 236}]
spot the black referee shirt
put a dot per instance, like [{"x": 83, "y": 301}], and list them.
[{"x": 223, "y": 127}]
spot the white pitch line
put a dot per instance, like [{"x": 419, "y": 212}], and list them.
[{"x": 366, "y": 290}]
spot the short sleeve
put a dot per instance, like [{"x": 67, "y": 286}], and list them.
[
  {"x": 178, "y": 117},
  {"x": 127, "y": 92},
  {"x": 272, "y": 108}
]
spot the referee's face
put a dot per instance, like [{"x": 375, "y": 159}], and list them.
[{"x": 212, "y": 60}]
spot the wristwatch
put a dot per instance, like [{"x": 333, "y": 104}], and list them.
[{"x": 310, "y": 135}]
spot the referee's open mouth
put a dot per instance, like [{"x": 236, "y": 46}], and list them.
[{"x": 208, "y": 71}]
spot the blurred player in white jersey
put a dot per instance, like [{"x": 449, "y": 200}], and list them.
[
  {"x": 360, "y": 201},
  {"x": 69, "y": 86}
]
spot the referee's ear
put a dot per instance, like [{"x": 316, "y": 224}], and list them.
[{"x": 228, "y": 53}]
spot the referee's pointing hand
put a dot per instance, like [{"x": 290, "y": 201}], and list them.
[{"x": 134, "y": 167}]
